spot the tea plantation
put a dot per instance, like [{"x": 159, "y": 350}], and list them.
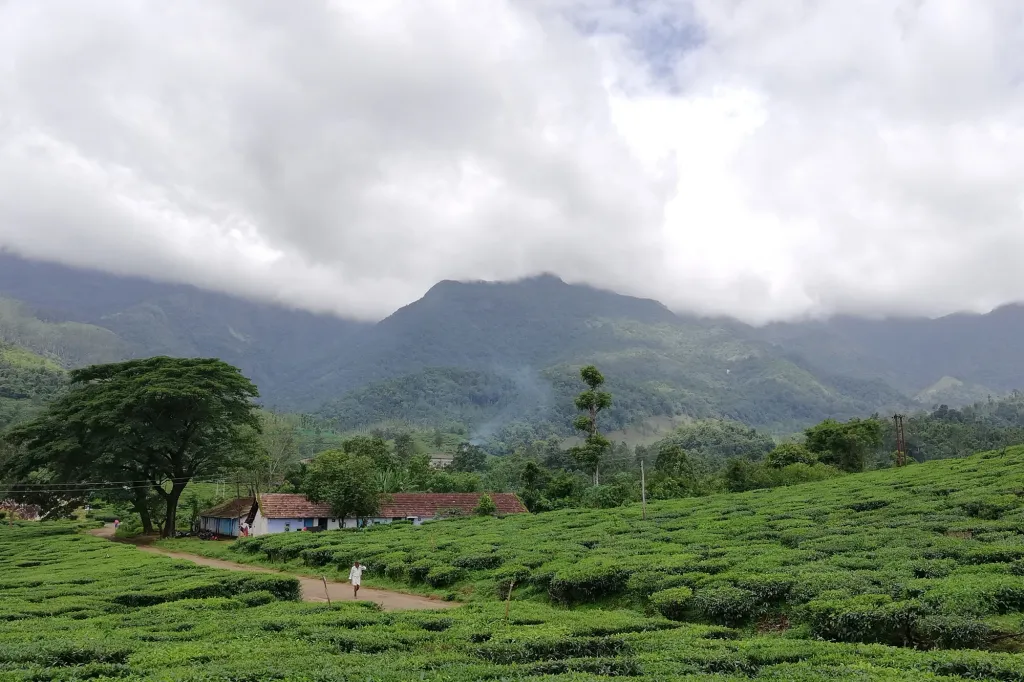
[
  {"x": 74, "y": 607},
  {"x": 914, "y": 575},
  {"x": 929, "y": 556}
]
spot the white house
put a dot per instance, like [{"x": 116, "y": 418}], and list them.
[{"x": 287, "y": 512}]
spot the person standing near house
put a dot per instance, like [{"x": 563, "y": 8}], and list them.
[
  {"x": 244, "y": 527},
  {"x": 355, "y": 576}
]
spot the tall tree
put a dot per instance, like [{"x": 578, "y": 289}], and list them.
[
  {"x": 348, "y": 483},
  {"x": 591, "y": 401},
  {"x": 405, "y": 447},
  {"x": 155, "y": 423}
]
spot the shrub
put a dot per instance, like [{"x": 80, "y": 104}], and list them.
[
  {"x": 588, "y": 580},
  {"x": 726, "y": 605},
  {"x": 442, "y": 576},
  {"x": 486, "y": 506},
  {"x": 869, "y": 618},
  {"x": 673, "y": 603},
  {"x": 478, "y": 562}
]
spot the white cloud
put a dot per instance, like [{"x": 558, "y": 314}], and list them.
[{"x": 759, "y": 159}]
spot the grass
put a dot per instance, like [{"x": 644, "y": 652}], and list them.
[
  {"x": 929, "y": 556},
  {"x": 73, "y": 607}
]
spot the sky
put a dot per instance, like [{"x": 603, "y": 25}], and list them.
[{"x": 764, "y": 160}]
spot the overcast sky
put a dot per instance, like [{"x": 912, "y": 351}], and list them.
[{"x": 762, "y": 159}]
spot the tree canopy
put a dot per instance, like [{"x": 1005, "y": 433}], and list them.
[
  {"x": 347, "y": 482},
  {"x": 154, "y": 424}
]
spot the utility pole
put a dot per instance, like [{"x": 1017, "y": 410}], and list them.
[
  {"x": 643, "y": 490},
  {"x": 901, "y": 443}
]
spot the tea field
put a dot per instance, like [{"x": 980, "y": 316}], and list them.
[
  {"x": 75, "y": 607},
  {"x": 929, "y": 556}
]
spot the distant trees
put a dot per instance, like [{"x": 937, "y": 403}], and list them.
[
  {"x": 468, "y": 457},
  {"x": 790, "y": 453},
  {"x": 673, "y": 474},
  {"x": 591, "y": 402},
  {"x": 154, "y": 424},
  {"x": 845, "y": 445}
]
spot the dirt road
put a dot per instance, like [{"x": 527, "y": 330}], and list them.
[{"x": 312, "y": 588}]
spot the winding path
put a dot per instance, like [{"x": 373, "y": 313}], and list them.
[{"x": 312, "y": 588}]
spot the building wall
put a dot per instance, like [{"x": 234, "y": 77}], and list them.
[
  {"x": 264, "y": 526},
  {"x": 223, "y": 527}
]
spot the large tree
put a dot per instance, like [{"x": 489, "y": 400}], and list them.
[
  {"x": 152, "y": 424},
  {"x": 591, "y": 402},
  {"x": 348, "y": 483},
  {"x": 845, "y": 445}
]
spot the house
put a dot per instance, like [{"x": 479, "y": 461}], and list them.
[
  {"x": 226, "y": 518},
  {"x": 440, "y": 460},
  {"x": 286, "y": 512}
]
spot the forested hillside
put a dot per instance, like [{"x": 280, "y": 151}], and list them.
[
  {"x": 27, "y": 382},
  {"x": 491, "y": 356}
]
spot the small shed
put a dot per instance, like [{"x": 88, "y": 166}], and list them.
[{"x": 226, "y": 518}]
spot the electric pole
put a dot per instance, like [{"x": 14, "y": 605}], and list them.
[
  {"x": 901, "y": 443},
  {"x": 643, "y": 490}
]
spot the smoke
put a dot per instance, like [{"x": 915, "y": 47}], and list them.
[{"x": 531, "y": 399}]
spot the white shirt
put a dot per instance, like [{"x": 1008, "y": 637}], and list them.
[{"x": 356, "y": 574}]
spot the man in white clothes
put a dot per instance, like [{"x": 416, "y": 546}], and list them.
[{"x": 355, "y": 576}]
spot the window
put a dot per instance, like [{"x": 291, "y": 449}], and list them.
[
  {"x": 307, "y": 523},
  {"x": 287, "y": 527}
]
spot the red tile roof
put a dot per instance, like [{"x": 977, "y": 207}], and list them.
[
  {"x": 400, "y": 505},
  {"x": 232, "y": 509},
  {"x": 426, "y": 505},
  {"x": 292, "y": 506}
]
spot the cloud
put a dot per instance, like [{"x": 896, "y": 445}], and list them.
[{"x": 763, "y": 160}]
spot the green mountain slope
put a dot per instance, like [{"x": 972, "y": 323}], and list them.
[
  {"x": 70, "y": 344},
  {"x": 489, "y": 354}
]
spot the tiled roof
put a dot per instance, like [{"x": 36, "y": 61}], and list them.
[
  {"x": 400, "y": 505},
  {"x": 426, "y": 505},
  {"x": 232, "y": 509},
  {"x": 292, "y": 506}
]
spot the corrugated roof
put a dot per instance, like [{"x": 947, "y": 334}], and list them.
[
  {"x": 400, "y": 505},
  {"x": 232, "y": 509}
]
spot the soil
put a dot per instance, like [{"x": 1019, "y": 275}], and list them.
[{"x": 313, "y": 589}]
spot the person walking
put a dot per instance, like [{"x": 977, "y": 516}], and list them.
[{"x": 355, "y": 576}]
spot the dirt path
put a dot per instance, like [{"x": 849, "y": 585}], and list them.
[{"x": 312, "y": 588}]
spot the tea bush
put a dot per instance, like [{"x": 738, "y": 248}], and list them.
[{"x": 61, "y": 619}]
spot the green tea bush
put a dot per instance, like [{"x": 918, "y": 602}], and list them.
[
  {"x": 673, "y": 603},
  {"x": 442, "y": 576},
  {"x": 588, "y": 580}
]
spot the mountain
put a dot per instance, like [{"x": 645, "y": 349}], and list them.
[
  {"x": 981, "y": 353},
  {"x": 492, "y": 354},
  {"x": 80, "y": 317}
]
